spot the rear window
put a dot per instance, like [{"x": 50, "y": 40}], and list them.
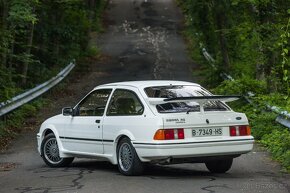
[{"x": 182, "y": 91}]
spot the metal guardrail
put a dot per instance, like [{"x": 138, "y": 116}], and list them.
[
  {"x": 283, "y": 116},
  {"x": 19, "y": 100}
]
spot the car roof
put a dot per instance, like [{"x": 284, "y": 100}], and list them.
[{"x": 149, "y": 83}]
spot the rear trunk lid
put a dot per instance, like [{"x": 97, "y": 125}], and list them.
[
  {"x": 207, "y": 119},
  {"x": 204, "y": 125}
]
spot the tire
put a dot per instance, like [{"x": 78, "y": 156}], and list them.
[
  {"x": 50, "y": 153},
  {"x": 219, "y": 166},
  {"x": 129, "y": 163}
]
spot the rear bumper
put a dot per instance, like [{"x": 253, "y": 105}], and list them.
[{"x": 150, "y": 152}]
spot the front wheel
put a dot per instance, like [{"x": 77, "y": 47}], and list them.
[
  {"x": 219, "y": 166},
  {"x": 129, "y": 163},
  {"x": 50, "y": 152}
]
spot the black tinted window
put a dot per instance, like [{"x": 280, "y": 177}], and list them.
[
  {"x": 182, "y": 91},
  {"x": 94, "y": 104},
  {"x": 124, "y": 102}
]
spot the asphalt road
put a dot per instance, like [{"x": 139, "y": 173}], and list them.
[{"x": 142, "y": 42}]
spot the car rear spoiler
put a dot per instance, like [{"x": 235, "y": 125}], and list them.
[{"x": 198, "y": 99}]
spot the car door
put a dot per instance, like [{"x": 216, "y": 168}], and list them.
[
  {"x": 84, "y": 131},
  {"x": 124, "y": 113}
]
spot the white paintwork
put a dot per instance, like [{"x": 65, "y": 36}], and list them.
[{"x": 141, "y": 129}]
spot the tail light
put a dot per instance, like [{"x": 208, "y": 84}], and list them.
[
  {"x": 169, "y": 134},
  {"x": 233, "y": 131},
  {"x": 242, "y": 130}
]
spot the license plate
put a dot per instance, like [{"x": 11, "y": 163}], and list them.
[{"x": 201, "y": 132}]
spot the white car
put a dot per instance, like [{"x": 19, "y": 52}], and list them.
[{"x": 159, "y": 122}]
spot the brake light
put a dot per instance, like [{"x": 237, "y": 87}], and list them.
[
  {"x": 233, "y": 131},
  {"x": 169, "y": 134},
  {"x": 242, "y": 130}
]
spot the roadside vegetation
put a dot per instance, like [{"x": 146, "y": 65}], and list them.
[
  {"x": 250, "y": 41},
  {"x": 37, "y": 40}
]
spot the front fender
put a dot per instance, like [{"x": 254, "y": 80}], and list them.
[{"x": 43, "y": 130}]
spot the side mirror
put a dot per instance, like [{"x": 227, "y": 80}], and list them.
[{"x": 67, "y": 111}]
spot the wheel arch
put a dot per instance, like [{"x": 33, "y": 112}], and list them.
[
  {"x": 47, "y": 131},
  {"x": 50, "y": 129},
  {"x": 135, "y": 166},
  {"x": 122, "y": 134}
]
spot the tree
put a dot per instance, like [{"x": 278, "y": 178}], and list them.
[{"x": 38, "y": 38}]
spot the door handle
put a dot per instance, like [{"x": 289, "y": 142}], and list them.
[{"x": 98, "y": 121}]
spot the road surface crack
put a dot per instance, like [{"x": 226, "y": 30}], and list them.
[
  {"x": 75, "y": 182},
  {"x": 210, "y": 189}
]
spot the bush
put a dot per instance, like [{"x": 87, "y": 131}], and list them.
[
  {"x": 15, "y": 120},
  {"x": 278, "y": 143}
]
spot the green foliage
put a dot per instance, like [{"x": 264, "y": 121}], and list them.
[
  {"x": 93, "y": 51},
  {"x": 242, "y": 86},
  {"x": 15, "y": 120},
  {"x": 8, "y": 88},
  {"x": 42, "y": 36},
  {"x": 285, "y": 65},
  {"x": 21, "y": 13},
  {"x": 248, "y": 39},
  {"x": 37, "y": 39},
  {"x": 278, "y": 143},
  {"x": 97, "y": 11},
  {"x": 262, "y": 123},
  {"x": 4, "y": 132}
]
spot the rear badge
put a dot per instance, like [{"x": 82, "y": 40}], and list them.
[
  {"x": 207, "y": 121},
  {"x": 239, "y": 118},
  {"x": 176, "y": 120}
]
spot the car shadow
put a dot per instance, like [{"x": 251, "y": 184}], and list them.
[
  {"x": 175, "y": 172},
  {"x": 95, "y": 165},
  {"x": 151, "y": 171}
]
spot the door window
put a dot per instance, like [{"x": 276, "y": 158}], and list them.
[
  {"x": 94, "y": 104},
  {"x": 125, "y": 102}
]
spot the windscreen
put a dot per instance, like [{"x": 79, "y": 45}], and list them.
[{"x": 183, "y": 91}]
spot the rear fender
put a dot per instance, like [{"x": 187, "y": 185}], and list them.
[{"x": 120, "y": 135}]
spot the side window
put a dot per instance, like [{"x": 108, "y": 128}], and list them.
[
  {"x": 125, "y": 102},
  {"x": 94, "y": 104}
]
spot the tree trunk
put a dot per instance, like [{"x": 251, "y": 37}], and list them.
[
  {"x": 56, "y": 49},
  {"x": 270, "y": 56},
  {"x": 91, "y": 7},
  {"x": 4, "y": 14},
  {"x": 220, "y": 21},
  {"x": 10, "y": 60},
  {"x": 28, "y": 52}
]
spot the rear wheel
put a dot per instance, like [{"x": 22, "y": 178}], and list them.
[
  {"x": 128, "y": 161},
  {"x": 50, "y": 152},
  {"x": 219, "y": 166}
]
